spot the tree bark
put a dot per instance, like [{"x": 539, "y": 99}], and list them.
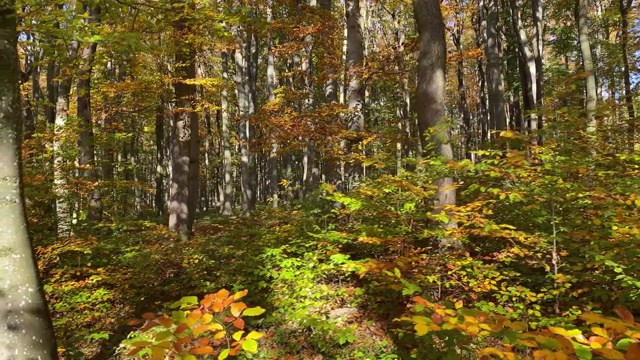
[
  {"x": 354, "y": 60},
  {"x": 625, "y": 7},
  {"x": 227, "y": 160},
  {"x": 272, "y": 83},
  {"x": 181, "y": 211},
  {"x": 430, "y": 95},
  {"x": 87, "y": 160},
  {"x": 497, "y": 115},
  {"x": 587, "y": 64},
  {"x": 25, "y": 327}
]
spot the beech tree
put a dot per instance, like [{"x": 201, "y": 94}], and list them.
[
  {"x": 25, "y": 328},
  {"x": 430, "y": 94}
]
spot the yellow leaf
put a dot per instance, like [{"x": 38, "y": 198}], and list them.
[
  {"x": 459, "y": 304},
  {"x": 421, "y": 329},
  {"x": 600, "y": 332}
]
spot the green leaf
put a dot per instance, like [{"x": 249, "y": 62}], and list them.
[
  {"x": 237, "y": 335},
  {"x": 223, "y": 354},
  {"x": 185, "y": 302},
  {"x": 250, "y": 345},
  {"x": 254, "y": 311},
  {"x": 623, "y": 344}
]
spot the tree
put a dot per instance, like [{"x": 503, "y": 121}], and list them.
[
  {"x": 25, "y": 328},
  {"x": 587, "y": 63},
  {"x": 184, "y": 132},
  {"x": 497, "y": 115},
  {"x": 430, "y": 93},
  {"x": 87, "y": 159}
]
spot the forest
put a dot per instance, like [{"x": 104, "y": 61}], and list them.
[{"x": 319, "y": 179}]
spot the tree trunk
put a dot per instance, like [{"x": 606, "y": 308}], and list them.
[
  {"x": 87, "y": 160},
  {"x": 529, "y": 68},
  {"x": 625, "y": 7},
  {"x": 462, "y": 93},
  {"x": 160, "y": 165},
  {"x": 538, "y": 53},
  {"x": 243, "y": 129},
  {"x": 227, "y": 160},
  {"x": 587, "y": 64},
  {"x": 60, "y": 173},
  {"x": 181, "y": 201},
  {"x": 354, "y": 60},
  {"x": 331, "y": 85},
  {"x": 25, "y": 327},
  {"x": 272, "y": 83},
  {"x": 497, "y": 115},
  {"x": 430, "y": 95}
]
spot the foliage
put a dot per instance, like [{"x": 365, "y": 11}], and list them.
[
  {"x": 458, "y": 330},
  {"x": 196, "y": 329}
]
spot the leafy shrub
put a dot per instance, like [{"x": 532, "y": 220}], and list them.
[{"x": 213, "y": 326}]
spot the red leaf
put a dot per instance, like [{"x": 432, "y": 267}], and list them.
[{"x": 239, "y": 323}]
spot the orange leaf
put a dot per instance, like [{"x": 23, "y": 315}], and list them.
[
  {"x": 239, "y": 323},
  {"x": 205, "y": 350},
  {"x": 134, "y": 322},
  {"x": 237, "y": 308},
  {"x": 203, "y": 341},
  {"x": 165, "y": 321},
  {"x": 235, "y": 350},
  {"x": 207, "y": 300},
  {"x": 222, "y": 294},
  {"x": 217, "y": 306},
  {"x": 420, "y": 301},
  {"x": 633, "y": 352},
  {"x": 148, "y": 316},
  {"x": 200, "y": 329},
  {"x": 194, "y": 316},
  {"x": 624, "y": 314}
]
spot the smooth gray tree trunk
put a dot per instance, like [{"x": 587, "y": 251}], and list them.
[
  {"x": 181, "y": 209},
  {"x": 87, "y": 160},
  {"x": 25, "y": 327},
  {"x": 624, "y": 8},
  {"x": 587, "y": 64},
  {"x": 497, "y": 114},
  {"x": 227, "y": 160},
  {"x": 430, "y": 90}
]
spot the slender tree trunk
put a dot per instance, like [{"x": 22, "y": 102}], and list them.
[
  {"x": 529, "y": 68},
  {"x": 331, "y": 85},
  {"x": 86, "y": 141},
  {"x": 483, "y": 112},
  {"x": 430, "y": 95},
  {"x": 181, "y": 201},
  {"x": 587, "y": 64},
  {"x": 538, "y": 53},
  {"x": 272, "y": 83},
  {"x": 354, "y": 61},
  {"x": 25, "y": 327},
  {"x": 244, "y": 103},
  {"x": 227, "y": 161},
  {"x": 625, "y": 7},
  {"x": 60, "y": 171},
  {"x": 462, "y": 93},
  {"x": 160, "y": 165},
  {"x": 354, "y": 94},
  {"x": 497, "y": 115}
]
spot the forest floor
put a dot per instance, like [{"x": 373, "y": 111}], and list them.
[{"x": 317, "y": 306}]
